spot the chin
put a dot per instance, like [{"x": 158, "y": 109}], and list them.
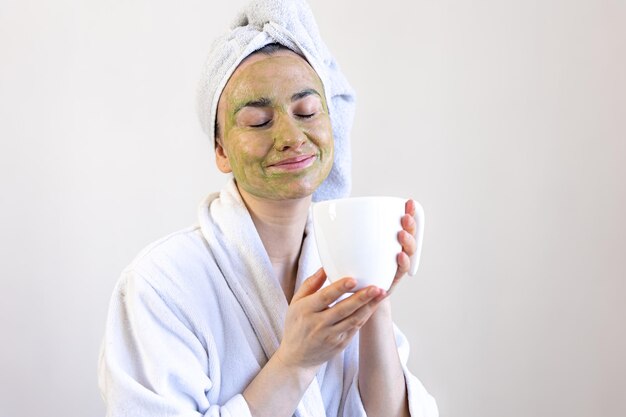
[
  {"x": 296, "y": 193},
  {"x": 297, "y": 187}
]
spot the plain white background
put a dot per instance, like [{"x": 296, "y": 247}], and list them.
[{"x": 505, "y": 119}]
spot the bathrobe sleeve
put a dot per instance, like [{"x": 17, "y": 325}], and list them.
[
  {"x": 421, "y": 403},
  {"x": 151, "y": 362}
]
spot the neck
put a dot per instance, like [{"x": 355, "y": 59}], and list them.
[{"x": 280, "y": 224}]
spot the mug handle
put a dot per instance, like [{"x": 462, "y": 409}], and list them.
[{"x": 419, "y": 237}]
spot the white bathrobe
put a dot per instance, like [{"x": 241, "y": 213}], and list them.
[{"x": 198, "y": 313}]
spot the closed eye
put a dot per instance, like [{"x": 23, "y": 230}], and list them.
[
  {"x": 307, "y": 105},
  {"x": 262, "y": 124}
]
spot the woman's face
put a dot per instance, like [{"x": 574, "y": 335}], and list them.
[{"x": 275, "y": 133}]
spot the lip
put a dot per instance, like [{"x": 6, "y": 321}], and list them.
[{"x": 297, "y": 162}]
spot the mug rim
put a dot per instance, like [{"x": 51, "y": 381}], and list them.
[{"x": 363, "y": 198}]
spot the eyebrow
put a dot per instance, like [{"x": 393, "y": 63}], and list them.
[
  {"x": 304, "y": 93},
  {"x": 261, "y": 102},
  {"x": 266, "y": 102}
]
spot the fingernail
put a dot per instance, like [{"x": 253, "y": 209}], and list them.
[
  {"x": 349, "y": 284},
  {"x": 372, "y": 291},
  {"x": 381, "y": 295}
]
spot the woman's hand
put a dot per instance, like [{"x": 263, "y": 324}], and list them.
[
  {"x": 315, "y": 332},
  {"x": 406, "y": 237}
]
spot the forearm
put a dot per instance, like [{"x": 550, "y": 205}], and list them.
[
  {"x": 277, "y": 389},
  {"x": 381, "y": 379}
]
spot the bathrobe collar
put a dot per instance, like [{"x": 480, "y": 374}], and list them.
[{"x": 239, "y": 252}]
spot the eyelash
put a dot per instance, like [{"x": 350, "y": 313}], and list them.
[
  {"x": 302, "y": 116},
  {"x": 262, "y": 124}
]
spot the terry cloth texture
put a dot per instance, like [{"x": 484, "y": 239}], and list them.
[
  {"x": 198, "y": 313},
  {"x": 291, "y": 24}
]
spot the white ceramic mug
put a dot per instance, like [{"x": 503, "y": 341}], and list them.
[{"x": 358, "y": 237}]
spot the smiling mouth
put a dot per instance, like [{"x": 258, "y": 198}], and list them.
[{"x": 297, "y": 162}]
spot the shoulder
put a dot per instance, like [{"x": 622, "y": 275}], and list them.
[
  {"x": 175, "y": 266},
  {"x": 177, "y": 251},
  {"x": 170, "y": 246}
]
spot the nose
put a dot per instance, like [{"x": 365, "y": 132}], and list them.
[{"x": 287, "y": 134}]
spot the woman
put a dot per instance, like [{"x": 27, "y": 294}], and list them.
[{"x": 232, "y": 317}]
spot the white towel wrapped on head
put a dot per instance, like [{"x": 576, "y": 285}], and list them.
[{"x": 291, "y": 24}]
